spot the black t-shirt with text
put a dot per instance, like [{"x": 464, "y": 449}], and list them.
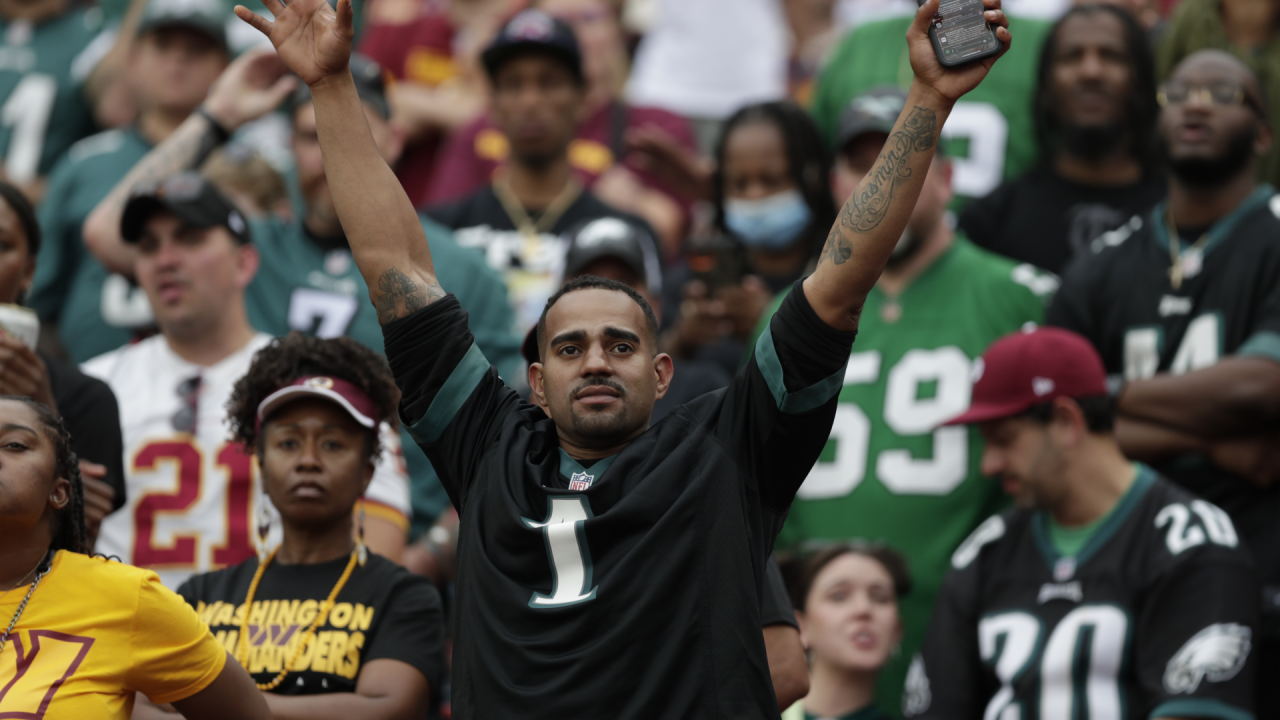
[
  {"x": 1046, "y": 220},
  {"x": 631, "y": 589},
  {"x": 1155, "y": 617},
  {"x": 383, "y": 612},
  {"x": 1121, "y": 297}
]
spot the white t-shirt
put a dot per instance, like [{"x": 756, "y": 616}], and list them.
[
  {"x": 192, "y": 500},
  {"x": 707, "y": 58}
]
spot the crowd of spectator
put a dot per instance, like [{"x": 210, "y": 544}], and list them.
[{"x": 1113, "y": 175}]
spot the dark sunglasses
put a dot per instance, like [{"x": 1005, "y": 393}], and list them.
[{"x": 188, "y": 391}]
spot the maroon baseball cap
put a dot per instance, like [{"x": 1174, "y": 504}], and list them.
[{"x": 1029, "y": 367}]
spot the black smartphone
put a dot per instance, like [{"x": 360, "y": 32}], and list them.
[
  {"x": 718, "y": 261},
  {"x": 961, "y": 34}
]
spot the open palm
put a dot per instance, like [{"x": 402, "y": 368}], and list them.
[{"x": 312, "y": 39}]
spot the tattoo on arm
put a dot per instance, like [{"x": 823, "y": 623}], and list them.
[
  {"x": 871, "y": 202},
  {"x": 401, "y": 296}
]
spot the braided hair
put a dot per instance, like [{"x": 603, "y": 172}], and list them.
[
  {"x": 69, "y": 531},
  {"x": 1141, "y": 107},
  {"x": 808, "y": 163},
  {"x": 289, "y": 358}
]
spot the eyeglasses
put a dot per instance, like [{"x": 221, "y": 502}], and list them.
[
  {"x": 1224, "y": 94},
  {"x": 188, "y": 391}
]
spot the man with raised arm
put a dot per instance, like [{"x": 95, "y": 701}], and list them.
[{"x": 607, "y": 567}]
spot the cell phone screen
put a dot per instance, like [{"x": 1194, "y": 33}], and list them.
[{"x": 962, "y": 30}]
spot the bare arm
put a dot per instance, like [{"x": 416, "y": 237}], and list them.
[
  {"x": 231, "y": 695},
  {"x": 385, "y": 690},
  {"x": 875, "y": 215},
  {"x": 1237, "y": 395},
  {"x": 386, "y": 236},
  {"x": 787, "y": 665},
  {"x": 249, "y": 88}
]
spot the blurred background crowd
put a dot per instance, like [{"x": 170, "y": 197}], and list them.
[{"x": 699, "y": 151}]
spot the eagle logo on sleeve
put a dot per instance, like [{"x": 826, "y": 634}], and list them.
[{"x": 1217, "y": 652}]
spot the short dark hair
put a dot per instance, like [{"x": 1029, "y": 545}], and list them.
[
  {"x": 808, "y": 163},
  {"x": 592, "y": 282},
  {"x": 1142, "y": 108},
  {"x": 1099, "y": 413},
  {"x": 296, "y": 355},
  {"x": 22, "y": 207},
  {"x": 812, "y": 565}
]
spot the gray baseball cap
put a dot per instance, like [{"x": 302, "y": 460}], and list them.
[
  {"x": 207, "y": 17},
  {"x": 875, "y": 110}
]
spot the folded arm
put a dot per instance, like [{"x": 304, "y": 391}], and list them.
[
  {"x": 386, "y": 236},
  {"x": 1237, "y": 395}
]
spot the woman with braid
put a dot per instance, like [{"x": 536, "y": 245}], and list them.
[
  {"x": 79, "y": 635},
  {"x": 326, "y": 629}
]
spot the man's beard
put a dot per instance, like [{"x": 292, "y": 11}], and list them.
[
  {"x": 606, "y": 426},
  {"x": 1212, "y": 172},
  {"x": 908, "y": 245},
  {"x": 1090, "y": 142}
]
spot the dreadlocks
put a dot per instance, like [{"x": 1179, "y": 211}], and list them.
[
  {"x": 289, "y": 358},
  {"x": 69, "y": 531},
  {"x": 1141, "y": 108},
  {"x": 808, "y": 162}
]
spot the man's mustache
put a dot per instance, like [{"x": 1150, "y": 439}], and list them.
[{"x": 598, "y": 382}]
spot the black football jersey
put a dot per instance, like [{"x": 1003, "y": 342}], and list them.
[
  {"x": 1122, "y": 299},
  {"x": 1155, "y": 617},
  {"x": 630, "y": 588}
]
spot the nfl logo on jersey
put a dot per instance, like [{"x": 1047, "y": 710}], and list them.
[{"x": 580, "y": 481}]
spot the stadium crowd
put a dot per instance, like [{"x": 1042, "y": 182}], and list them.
[{"x": 1049, "y": 488}]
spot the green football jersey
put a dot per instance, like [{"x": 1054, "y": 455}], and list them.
[
  {"x": 301, "y": 286},
  {"x": 42, "y": 106},
  {"x": 989, "y": 132},
  {"x": 96, "y": 311},
  {"x": 888, "y": 473}
]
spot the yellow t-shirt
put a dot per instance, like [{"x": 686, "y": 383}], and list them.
[{"x": 94, "y": 632}]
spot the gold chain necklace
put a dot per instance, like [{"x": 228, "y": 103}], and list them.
[
  {"x": 1180, "y": 267},
  {"x": 242, "y": 643},
  {"x": 520, "y": 217}
]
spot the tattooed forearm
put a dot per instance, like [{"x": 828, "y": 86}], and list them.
[
  {"x": 400, "y": 296},
  {"x": 871, "y": 201}
]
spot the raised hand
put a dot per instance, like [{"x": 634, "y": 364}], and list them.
[
  {"x": 951, "y": 83},
  {"x": 312, "y": 39},
  {"x": 252, "y": 86}
]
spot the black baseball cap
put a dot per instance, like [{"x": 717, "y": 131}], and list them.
[
  {"x": 534, "y": 31},
  {"x": 616, "y": 238},
  {"x": 191, "y": 198},
  {"x": 206, "y": 17},
  {"x": 875, "y": 110},
  {"x": 371, "y": 86}
]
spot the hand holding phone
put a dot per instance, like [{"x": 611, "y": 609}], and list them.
[
  {"x": 944, "y": 74},
  {"x": 961, "y": 34}
]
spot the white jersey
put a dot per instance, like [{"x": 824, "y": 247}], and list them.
[{"x": 192, "y": 498}]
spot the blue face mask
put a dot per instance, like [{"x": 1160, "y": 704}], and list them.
[{"x": 772, "y": 223}]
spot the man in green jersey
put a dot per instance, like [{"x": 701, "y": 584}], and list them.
[
  {"x": 887, "y": 474},
  {"x": 307, "y": 280},
  {"x": 180, "y": 51},
  {"x": 48, "y": 48},
  {"x": 989, "y": 133}
]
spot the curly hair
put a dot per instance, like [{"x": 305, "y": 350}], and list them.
[
  {"x": 69, "y": 532},
  {"x": 289, "y": 358}
]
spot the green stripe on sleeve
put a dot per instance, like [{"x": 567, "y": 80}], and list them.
[
  {"x": 1199, "y": 708},
  {"x": 801, "y": 400},
  {"x": 455, "y": 391},
  {"x": 1263, "y": 343}
]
